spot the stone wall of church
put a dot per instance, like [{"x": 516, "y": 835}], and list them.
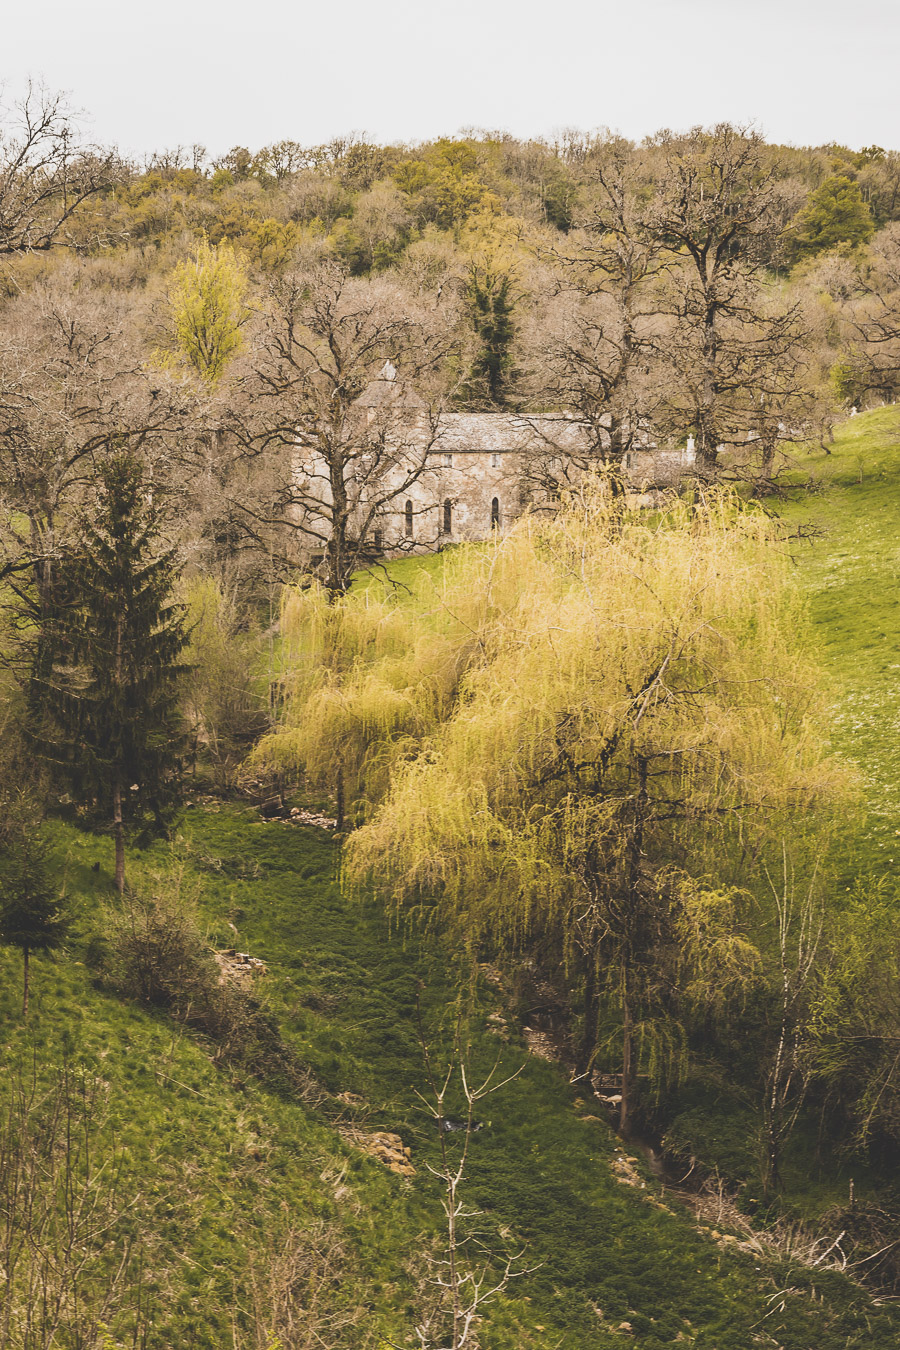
[
  {"x": 477, "y": 475},
  {"x": 463, "y": 499}
]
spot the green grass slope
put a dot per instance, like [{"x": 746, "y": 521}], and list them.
[
  {"x": 850, "y": 569},
  {"x": 218, "y": 1168}
]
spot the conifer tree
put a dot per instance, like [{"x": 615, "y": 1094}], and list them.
[
  {"x": 110, "y": 721},
  {"x": 836, "y": 213},
  {"x": 492, "y": 303},
  {"x": 32, "y": 915}
]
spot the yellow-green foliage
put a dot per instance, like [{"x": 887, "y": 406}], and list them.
[
  {"x": 366, "y": 678},
  {"x": 222, "y": 698},
  {"x": 636, "y": 717},
  {"x": 208, "y": 300}
]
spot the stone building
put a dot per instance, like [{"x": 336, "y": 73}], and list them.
[{"x": 428, "y": 481}]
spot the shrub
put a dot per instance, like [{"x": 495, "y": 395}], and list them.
[
  {"x": 224, "y": 708},
  {"x": 159, "y": 954}
]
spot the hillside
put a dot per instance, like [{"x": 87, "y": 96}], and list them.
[
  {"x": 230, "y": 1197},
  {"x": 221, "y": 1173},
  {"x": 849, "y": 568}
]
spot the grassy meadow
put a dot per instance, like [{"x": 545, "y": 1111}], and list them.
[{"x": 219, "y": 1167}]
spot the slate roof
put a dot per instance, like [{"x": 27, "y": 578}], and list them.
[{"x": 480, "y": 433}]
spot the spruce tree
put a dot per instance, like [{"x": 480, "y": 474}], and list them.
[
  {"x": 32, "y": 915},
  {"x": 492, "y": 304},
  {"x": 110, "y": 721}
]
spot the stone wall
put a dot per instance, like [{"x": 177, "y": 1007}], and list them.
[{"x": 477, "y": 472}]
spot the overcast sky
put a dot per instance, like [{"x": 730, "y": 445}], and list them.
[{"x": 152, "y": 76}]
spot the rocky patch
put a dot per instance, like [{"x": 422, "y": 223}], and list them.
[
  {"x": 238, "y": 967},
  {"x": 387, "y": 1148}
]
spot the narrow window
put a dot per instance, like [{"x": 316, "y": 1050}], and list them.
[
  {"x": 409, "y": 519},
  {"x": 448, "y": 516},
  {"x": 447, "y": 461},
  {"x": 495, "y": 461},
  {"x": 495, "y": 513},
  {"x": 378, "y": 540}
]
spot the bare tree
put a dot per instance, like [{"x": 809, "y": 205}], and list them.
[
  {"x": 597, "y": 337},
  {"x": 70, "y": 1263},
  {"x": 732, "y": 346},
  {"x": 299, "y": 1289},
  {"x": 338, "y": 449},
  {"x": 467, "y": 1275},
  {"x": 46, "y": 174},
  {"x": 800, "y": 922},
  {"x": 74, "y": 387},
  {"x": 870, "y": 369}
]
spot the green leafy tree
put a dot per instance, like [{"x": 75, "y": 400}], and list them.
[
  {"x": 209, "y": 309},
  {"x": 835, "y": 213},
  {"x": 33, "y": 917},
  {"x": 111, "y": 724},
  {"x": 444, "y": 185}
]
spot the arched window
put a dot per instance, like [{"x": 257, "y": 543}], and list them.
[
  {"x": 448, "y": 516},
  {"x": 409, "y": 519},
  {"x": 495, "y": 513}
]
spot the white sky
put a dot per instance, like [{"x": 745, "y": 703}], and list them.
[{"x": 226, "y": 73}]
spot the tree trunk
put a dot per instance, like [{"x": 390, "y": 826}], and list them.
[
  {"x": 627, "y": 1068},
  {"x": 615, "y": 462},
  {"x": 119, "y": 831},
  {"x": 590, "y": 1008},
  {"x": 627, "y": 958},
  {"x": 707, "y": 431},
  {"x": 338, "y": 567},
  {"x": 764, "y": 483},
  {"x": 773, "y": 1115},
  {"x": 339, "y": 799},
  {"x": 117, "y": 781},
  {"x": 25, "y": 956}
]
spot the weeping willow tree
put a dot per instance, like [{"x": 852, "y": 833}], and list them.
[
  {"x": 365, "y": 678},
  {"x": 634, "y": 723}
]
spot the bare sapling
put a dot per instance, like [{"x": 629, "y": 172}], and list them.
[{"x": 467, "y": 1275}]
